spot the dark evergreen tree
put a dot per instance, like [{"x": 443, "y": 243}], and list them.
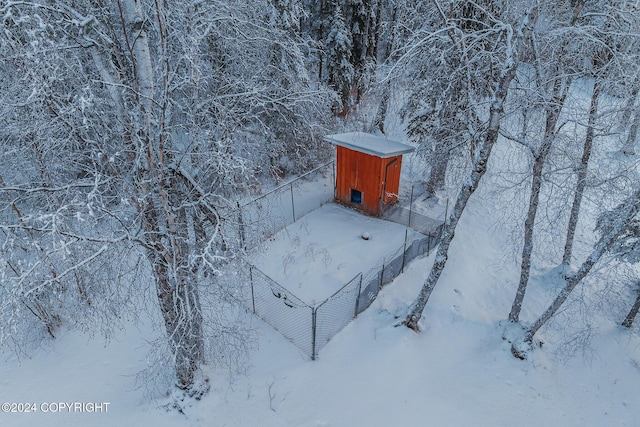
[
  {"x": 362, "y": 19},
  {"x": 340, "y": 70}
]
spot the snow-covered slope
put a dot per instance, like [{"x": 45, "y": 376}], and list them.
[{"x": 457, "y": 371}]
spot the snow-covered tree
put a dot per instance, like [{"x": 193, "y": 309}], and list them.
[
  {"x": 618, "y": 230},
  {"x": 508, "y": 36},
  {"x": 126, "y": 128},
  {"x": 340, "y": 70},
  {"x": 546, "y": 93},
  {"x": 446, "y": 60},
  {"x": 363, "y": 21},
  {"x": 607, "y": 37},
  {"x": 286, "y": 14},
  {"x": 347, "y": 34},
  {"x": 390, "y": 42},
  {"x": 633, "y": 312}
]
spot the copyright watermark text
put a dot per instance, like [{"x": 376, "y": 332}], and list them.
[{"x": 56, "y": 407}]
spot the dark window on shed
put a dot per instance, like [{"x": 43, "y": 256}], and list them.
[{"x": 356, "y": 196}]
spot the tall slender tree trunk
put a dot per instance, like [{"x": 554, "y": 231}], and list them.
[
  {"x": 471, "y": 184},
  {"x": 572, "y": 281},
  {"x": 529, "y": 223},
  {"x": 632, "y": 136},
  {"x": 582, "y": 175},
  {"x": 320, "y": 36},
  {"x": 439, "y": 163},
  {"x": 166, "y": 242},
  {"x": 628, "y": 321},
  {"x": 631, "y": 101},
  {"x": 553, "y": 113},
  {"x": 629, "y": 111},
  {"x": 381, "y": 112},
  {"x": 177, "y": 291},
  {"x": 182, "y": 315}
]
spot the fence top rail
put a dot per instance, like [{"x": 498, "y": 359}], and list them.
[
  {"x": 338, "y": 291},
  {"x": 277, "y": 289},
  {"x": 281, "y": 186},
  {"x": 284, "y": 290}
]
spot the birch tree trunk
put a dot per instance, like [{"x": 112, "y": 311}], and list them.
[
  {"x": 471, "y": 185},
  {"x": 630, "y": 144},
  {"x": 496, "y": 112},
  {"x": 629, "y": 111},
  {"x": 383, "y": 105},
  {"x": 631, "y": 209},
  {"x": 146, "y": 116},
  {"x": 167, "y": 246},
  {"x": 582, "y": 175},
  {"x": 628, "y": 321},
  {"x": 529, "y": 223},
  {"x": 540, "y": 155}
]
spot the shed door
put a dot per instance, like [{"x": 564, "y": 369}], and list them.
[{"x": 391, "y": 180}]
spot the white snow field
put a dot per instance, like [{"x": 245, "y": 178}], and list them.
[
  {"x": 458, "y": 371},
  {"x": 322, "y": 251}
]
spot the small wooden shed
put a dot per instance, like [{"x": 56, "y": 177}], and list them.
[{"x": 367, "y": 170}]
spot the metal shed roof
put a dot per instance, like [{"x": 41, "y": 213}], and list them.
[{"x": 370, "y": 144}]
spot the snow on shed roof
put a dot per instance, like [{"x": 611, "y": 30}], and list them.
[{"x": 370, "y": 144}]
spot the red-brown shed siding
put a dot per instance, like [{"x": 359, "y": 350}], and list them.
[
  {"x": 367, "y": 170},
  {"x": 376, "y": 178}
]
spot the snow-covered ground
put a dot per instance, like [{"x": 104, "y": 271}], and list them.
[
  {"x": 457, "y": 371},
  {"x": 318, "y": 254}
]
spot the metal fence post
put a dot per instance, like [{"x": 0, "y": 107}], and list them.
[
  {"x": 410, "y": 206},
  {"x": 293, "y": 205},
  {"x": 335, "y": 184},
  {"x": 355, "y": 313},
  {"x": 253, "y": 297},
  {"x": 313, "y": 332},
  {"x": 404, "y": 250}
]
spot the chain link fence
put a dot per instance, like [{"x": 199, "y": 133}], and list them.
[
  {"x": 405, "y": 214},
  {"x": 264, "y": 216},
  {"x": 335, "y": 313},
  {"x": 287, "y": 313},
  {"x": 309, "y": 327},
  {"x": 391, "y": 267}
]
